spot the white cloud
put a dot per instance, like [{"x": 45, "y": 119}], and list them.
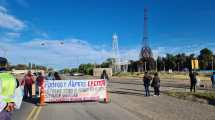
[
  {"x": 54, "y": 53},
  {"x": 13, "y": 34},
  {"x": 2, "y": 9},
  {"x": 9, "y": 21}
]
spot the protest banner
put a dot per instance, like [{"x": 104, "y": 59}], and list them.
[{"x": 74, "y": 90}]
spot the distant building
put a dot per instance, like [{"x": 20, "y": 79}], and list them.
[
  {"x": 16, "y": 72},
  {"x": 98, "y": 71}
]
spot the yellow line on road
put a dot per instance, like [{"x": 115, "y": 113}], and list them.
[
  {"x": 37, "y": 113},
  {"x": 31, "y": 113}
]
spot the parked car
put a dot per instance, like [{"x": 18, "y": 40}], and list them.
[{"x": 77, "y": 74}]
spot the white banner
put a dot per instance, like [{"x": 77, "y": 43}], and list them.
[{"x": 75, "y": 90}]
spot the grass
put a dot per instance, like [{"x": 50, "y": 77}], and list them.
[
  {"x": 210, "y": 96},
  {"x": 164, "y": 75}
]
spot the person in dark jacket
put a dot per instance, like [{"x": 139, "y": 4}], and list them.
[
  {"x": 193, "y": 81},
  {"x": 213, "y": 80},
  {"x": 57, "y": 76},
  {"x": 156, "y": 84},
  {"x": 104, "y": 75},
  {"x": 39, "y": 82},
  {"x": 146, "y": 82}
]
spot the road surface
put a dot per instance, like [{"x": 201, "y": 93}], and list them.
[{"x": 127, "y": 103}]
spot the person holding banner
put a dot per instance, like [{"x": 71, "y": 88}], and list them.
[
  {"x": 8, "y": 84},
  {"x": 39, "y": 81},
  {"x": 57, "y": 76},
  {"x": 50, "y": 76},
  {"x": 28, "y": 81}
]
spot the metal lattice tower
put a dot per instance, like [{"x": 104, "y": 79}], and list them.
[
  {"x": 116, "y": 56},
  {"x": 146, "y": 51}
]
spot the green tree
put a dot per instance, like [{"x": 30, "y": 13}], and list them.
[
  {"x": 21, "y": 67},
  {"x": 205, "y": 58},
  {"x": 86, "y": 69},
  {"x": 107, "y": 63}
]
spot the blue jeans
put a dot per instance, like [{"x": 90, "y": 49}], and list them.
[
  {"x": 147, "y": 90},
  {"x": 4, "y": 115}
]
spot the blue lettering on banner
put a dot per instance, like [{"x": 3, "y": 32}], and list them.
[
  {"x": 66, "y": 84},
  {"x": 77, "y": 83},
  {"x": 55, "y": 84}
]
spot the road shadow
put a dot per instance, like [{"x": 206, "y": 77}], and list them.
[
  {"x": 126, "y": 93},
  {"x": 132, "y": 89},
  {"x": 211, "y": 102},
  {"x": 127, "y": 83},
  {"x": 33, "y": 100}
]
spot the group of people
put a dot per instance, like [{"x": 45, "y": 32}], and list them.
[
  {"x": 155, "y": 84},
  {"x": 37, "y": 78},
  {"x": 195, "y": 80}
]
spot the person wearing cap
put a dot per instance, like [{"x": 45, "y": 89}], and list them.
[{"x": 8, "y": 84}]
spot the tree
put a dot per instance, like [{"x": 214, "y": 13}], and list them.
[
  {"x": 205, "y": 58},
  {"x": 21, "y": 67},
  {"x": 170, "y": 61},
  {"x": 65, "y": 71},
  {"x": 107, "y": 63},
  {"x": 86, "y": 69}
]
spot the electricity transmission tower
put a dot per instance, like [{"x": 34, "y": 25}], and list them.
[{"x": 146, "y": 56}]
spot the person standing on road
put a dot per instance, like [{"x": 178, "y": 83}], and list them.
[
  {"x": 213, "y": 80},
  {"x": 28, "y": 81},
  {"x": 50, "y": 76},
  {"x": 8, "y": 84},
  {"x": 193, "y": 81},
  {"x": 104, "y": 75},
  {"x": 57, "y": 76},
  {"x": 156, "y": 84},
  {"x": 146, "y": 82},
  {"x": 39, "y": 82}
]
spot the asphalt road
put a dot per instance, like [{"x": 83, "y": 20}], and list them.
[{"x": 127, "y": 103}]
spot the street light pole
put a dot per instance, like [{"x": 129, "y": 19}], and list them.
[
  {"x": 156, "y": 65},
  {"x": 212, "y": 63}
]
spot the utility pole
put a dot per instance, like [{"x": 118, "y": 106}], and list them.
[
  {"x": 212, "y": 63},
  {"x": 156, "y": 65},
  {"x": 145, "y": 66},
  {"x": 178, "y": 66}
]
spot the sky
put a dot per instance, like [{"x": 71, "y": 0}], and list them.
[{"x": 86, "y": 28}]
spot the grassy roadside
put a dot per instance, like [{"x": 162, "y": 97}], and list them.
[
  {"x": 202, "y": 97},
  {"x": 165, "y": 75}
]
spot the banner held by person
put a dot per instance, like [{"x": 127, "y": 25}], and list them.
[{"x": 75, "y": 90}]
